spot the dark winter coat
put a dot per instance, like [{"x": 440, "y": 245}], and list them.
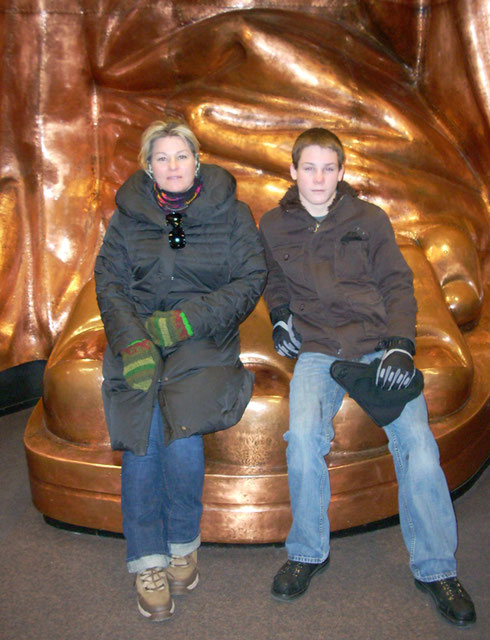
[
  {"x": 344, "y": 279},
  {"x": 216, "y": 280}
]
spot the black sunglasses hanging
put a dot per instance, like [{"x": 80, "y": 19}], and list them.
[{"x": 176, "y": 235}]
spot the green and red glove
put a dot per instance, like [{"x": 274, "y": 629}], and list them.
[
  {"x": 166, "y": 328},
  {"x": 139, "y": 364}
]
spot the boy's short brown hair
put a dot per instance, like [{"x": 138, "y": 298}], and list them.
[{"x": 321, "y": 138}]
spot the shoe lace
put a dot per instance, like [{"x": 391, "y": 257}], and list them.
[
  {"x": 453, "y": 588},
  {"x": 297, "y": 566},
  {"x": 153, "y": 579},
  {"x": 179, "y": 561}
]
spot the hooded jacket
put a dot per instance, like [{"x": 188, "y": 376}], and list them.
[
  {"x": 344, "y": 279},
  {"x": 201, "y": 384}
]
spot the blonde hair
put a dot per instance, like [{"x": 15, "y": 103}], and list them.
[
  {"x": 162, "y": 129},
  {"x": 319, "y": 137}
]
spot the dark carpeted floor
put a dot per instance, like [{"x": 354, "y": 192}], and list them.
[{"x": 56, "y": 584}]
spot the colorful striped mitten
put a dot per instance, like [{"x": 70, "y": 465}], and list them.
[
  {"x": 139, "y": 364},
  {"x": 166, "y": 328}
]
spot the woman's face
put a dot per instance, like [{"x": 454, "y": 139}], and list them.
[{"x": 173, "y": 164}]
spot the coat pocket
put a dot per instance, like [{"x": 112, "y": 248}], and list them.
[
  {"x": 291, "y": 259},
  {"x": 351, "y": 257}
]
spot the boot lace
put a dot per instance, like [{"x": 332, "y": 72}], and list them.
[
  {"x": 179, "y": 561},
  {"x": 292, "y": 567},
  {"x": 453, "y": 588}
]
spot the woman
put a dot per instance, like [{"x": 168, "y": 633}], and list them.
[{"x": 180, "y": 267}]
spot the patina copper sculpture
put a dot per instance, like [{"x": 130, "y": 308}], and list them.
[{"x": 248, "y": 81}]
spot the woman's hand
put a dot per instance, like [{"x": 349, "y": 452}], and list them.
[
  {"x": 166, "y": 328},
  {"x": 139, "y": 364}
]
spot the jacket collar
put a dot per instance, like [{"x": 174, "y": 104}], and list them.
[{"x": 135, "y": 197}]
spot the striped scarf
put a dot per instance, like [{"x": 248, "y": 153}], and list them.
[{"x": 177, "y": 201}]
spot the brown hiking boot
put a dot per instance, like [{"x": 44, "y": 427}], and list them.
[
  {"x": 182, "y": 574},
  {"x": 154, "y": 599}
]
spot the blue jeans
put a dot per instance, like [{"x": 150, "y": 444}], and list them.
[
  {"x": 161, "y": 499},
  {"x": 427, "y": 517}
]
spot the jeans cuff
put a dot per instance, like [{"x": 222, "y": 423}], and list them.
[
  {"x": 184, "y": 548},
  {"x": 147, "y": 562},
  {"x": 307, "y": 559},
  {"x": 436, "y": 576}
]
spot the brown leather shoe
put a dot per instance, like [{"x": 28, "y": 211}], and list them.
[
  {"x": 182, "y": 574},
  {"x": 451, "y": 599},
  {"x": 154, "y": 599}
]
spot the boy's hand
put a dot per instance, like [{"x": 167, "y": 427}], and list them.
[
  {"x": 166, "y": 328},
  {"x": 287, "y": 341},
  {"x": 396, "y": 369},
  {"x": 139, "y": 364}
]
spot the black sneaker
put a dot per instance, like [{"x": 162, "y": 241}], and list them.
[
  {"x": 452, "y": 600},
  {"x": 293, "y": 578}
]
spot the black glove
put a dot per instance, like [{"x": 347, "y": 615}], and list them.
[
  {"x": 396, "y": 369},
  {"x": 287, "y": 341}
]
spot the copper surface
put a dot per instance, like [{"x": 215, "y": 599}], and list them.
[{"x": 404, "y": 84}]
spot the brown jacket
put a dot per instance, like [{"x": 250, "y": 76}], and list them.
[{"x": 345, "y": 279}]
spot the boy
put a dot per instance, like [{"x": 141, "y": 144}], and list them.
[{"x": 339, "y": 289}]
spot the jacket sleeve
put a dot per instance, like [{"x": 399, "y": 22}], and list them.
[
  {"x": 112, "y": 276},
  {"x": 222, "y": 310},
  {"x": 395, "y": 281},
  {"x": 276, "y": 293}
]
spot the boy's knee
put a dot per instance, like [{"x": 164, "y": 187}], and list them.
[
  {"x": 304, "y": 446},
  {"x": 299, "y": 439}
]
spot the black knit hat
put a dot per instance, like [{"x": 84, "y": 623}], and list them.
[{"x": 382, "y": 405}]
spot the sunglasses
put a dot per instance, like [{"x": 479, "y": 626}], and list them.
[{"x": 176, "y": 235}]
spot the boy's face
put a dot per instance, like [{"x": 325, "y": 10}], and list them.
[{"x": 317, "y": 176}]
